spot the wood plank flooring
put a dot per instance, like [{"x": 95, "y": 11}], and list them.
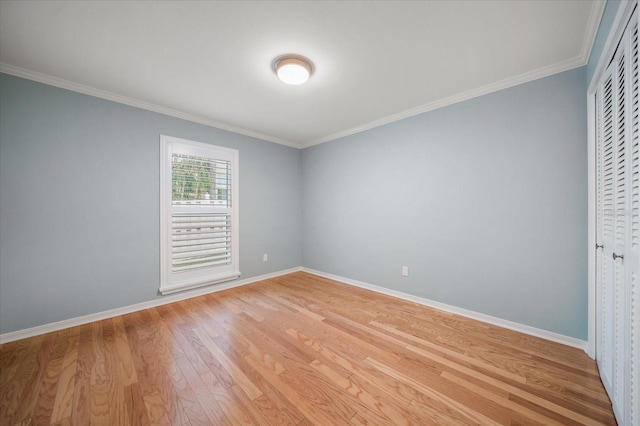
[{"x": 296, "y": 350}]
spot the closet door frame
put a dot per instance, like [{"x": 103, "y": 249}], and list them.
[
  {"x": 614, "y": 216},
  {"x": 619, "y": 24}
]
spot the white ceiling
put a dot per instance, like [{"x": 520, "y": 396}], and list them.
[{"x": 375, "y": 62}]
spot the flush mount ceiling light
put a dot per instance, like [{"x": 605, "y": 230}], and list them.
[{"x": 293, "y": 69}]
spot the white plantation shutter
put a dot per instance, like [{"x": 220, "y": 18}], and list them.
[
  {"x": 201, "y": 206},
  {"x": 199, "y": 219},
  {"x": 200, "y": 241}
]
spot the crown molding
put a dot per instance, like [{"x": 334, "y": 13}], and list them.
[
  {"x": 110, "y": 96},
  {"x": 464, "y": 96},
  {"x": 597, "y": 9}
]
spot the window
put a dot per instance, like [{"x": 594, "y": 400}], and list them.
[{"x": 198, "y": 214}]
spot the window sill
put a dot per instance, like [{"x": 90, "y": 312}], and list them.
[{"x": 188, "y": 285}]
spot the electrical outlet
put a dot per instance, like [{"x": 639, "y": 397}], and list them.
[
  {"x": 405, "y": 271},
  {"x": 265, "y": 257}
]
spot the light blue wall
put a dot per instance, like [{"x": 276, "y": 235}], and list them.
[
  {"x": 485, "y": 201},
  {"x": 79, "y": 219}
]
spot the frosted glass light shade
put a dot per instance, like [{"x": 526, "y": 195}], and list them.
[{"x": 293, "y": 71}]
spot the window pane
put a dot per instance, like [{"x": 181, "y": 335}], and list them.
[{"x": 199, "y": 180}]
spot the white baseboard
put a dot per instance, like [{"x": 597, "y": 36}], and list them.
[
  {"x": 532, "y": 331},
  {"x": 73, "y": 322}
]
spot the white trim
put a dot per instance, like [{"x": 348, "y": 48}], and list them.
[
  {"x": 532, "y": 331},
  {"x": 591, "y": 228},
  {"x": 461, "y": 97},
  {"x": 170, "y": 289},
  {"x": 617, "y": 27},
  {"x": 595, "y": 15},
  {"x": 73, "y": 322},
  {"x": 474, "y": 93},
  {"x": 597, "y": 9},
  {"x": 110, "y": 96}
]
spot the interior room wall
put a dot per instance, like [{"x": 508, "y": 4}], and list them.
[
  {"x": 485, "y": 201},
  {"x": 79, "y": 203}
]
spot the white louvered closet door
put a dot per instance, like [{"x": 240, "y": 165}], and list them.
[
  {"x": 618, "y": 228},
  {"x": 606, "y": 183}
]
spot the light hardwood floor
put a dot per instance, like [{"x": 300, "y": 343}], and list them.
[{"x": 296, "y": 350}]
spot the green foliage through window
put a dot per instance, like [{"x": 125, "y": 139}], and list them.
[{"x": 196, "y": 178}]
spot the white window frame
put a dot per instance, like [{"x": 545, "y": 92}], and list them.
[{"x": 171, "y": 282}]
